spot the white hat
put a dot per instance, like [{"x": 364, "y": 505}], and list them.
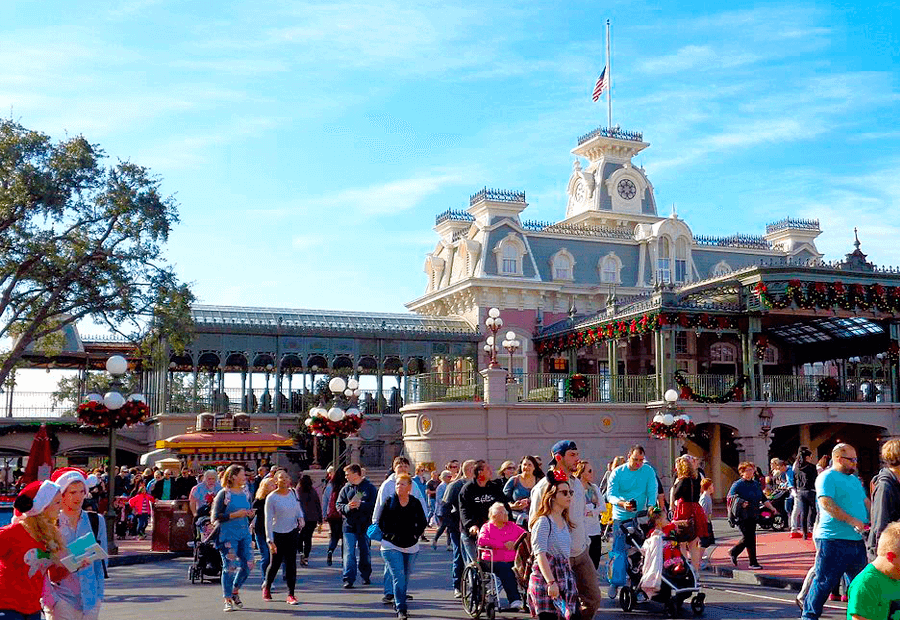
[{"x": 34, "y": 498}]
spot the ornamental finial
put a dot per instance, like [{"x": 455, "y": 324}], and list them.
[{"x": 856, "y": 243}]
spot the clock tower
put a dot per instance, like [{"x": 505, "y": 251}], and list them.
[{"x": 609, "y": 190}]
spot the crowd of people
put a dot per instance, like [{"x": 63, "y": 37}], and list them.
[{"x": 561, "y": 510}]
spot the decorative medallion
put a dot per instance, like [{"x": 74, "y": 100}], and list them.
[
  {"x": 425, "y": 424},
  {"x": 605, "y": 423},
  {"x": 626, "y": 188}
]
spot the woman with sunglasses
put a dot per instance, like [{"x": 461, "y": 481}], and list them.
[
  {"x": 594, "y": 503},
  {"x": 551, "y": 588}
]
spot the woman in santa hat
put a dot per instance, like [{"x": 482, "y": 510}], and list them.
[
  {"x": 28, "y": 547},
  {"x": 76, "y": 596}
]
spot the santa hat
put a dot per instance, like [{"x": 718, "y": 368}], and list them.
[
  {"x": 34, "y": 498},
  {"x": 64, "y": 476}
]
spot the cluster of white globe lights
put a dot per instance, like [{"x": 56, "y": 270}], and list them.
[
  {"x": 113, "y": 400},
  {"x": 671, "y": 396},
  {"x": 349, "y": 389}
]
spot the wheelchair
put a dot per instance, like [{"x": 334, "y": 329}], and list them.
[{"x": 479, "y": 587}]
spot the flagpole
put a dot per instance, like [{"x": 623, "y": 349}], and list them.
[{"x": 608, "y": 81}]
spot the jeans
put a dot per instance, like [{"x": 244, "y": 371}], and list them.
[
  {"x": 834, "y": 559},
  {"x": 807, "y": 501},
  {"x": 458, "y": 564},
  {"x": 352, "y": 540},
  {"x": 9, "y": 614},
  {"x": 399, "y": 567},
  {"x": 237, "y": 562},
  {"x": 142, "y": 523},
  {"x": 504, "y": 570},
  {"x": 265, "y": 555},
  {"x": 469, "y": 547},
  {"x": 286, "y": 552}
]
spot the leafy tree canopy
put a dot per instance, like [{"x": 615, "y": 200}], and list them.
[{"x": 79, "y": 239}]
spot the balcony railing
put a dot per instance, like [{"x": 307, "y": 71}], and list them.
[{"x": 444, "y": 387}]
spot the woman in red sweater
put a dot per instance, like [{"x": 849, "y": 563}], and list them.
[{"x": 28, "y": 548}]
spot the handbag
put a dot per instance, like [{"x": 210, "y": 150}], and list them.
[
  {"x": 374, "y": 532},
  {"x": 684, "y": 512}
]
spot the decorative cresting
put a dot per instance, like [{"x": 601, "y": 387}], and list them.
[
  {"x": 756, "y": 242},
  {"x": 827, "y": 296},
  {"x": 496, "y": 195},
  {"x": 578, "y": 230},
  {"x": 792, "y": 223},
  {"x": 735, "y": 392},
  {"x": 623, "y": 328},
  {"x": 453, "y": 215},
  {"x": 612, "y": 132}
]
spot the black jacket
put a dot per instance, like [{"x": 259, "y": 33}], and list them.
[
  {"x": 402, "y": 525},
  {"x": 885, "y": 508},
  {"x": 805, "y": 476},
  {"x": 475, "y": 501},
  {"x": 357, "y": 520}
]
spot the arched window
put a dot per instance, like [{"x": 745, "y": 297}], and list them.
[
  {"x": 681, "y": 254},
  {"x": 611, "y": 269},
  {"x": 721, "y": 268},
  {"x": 509, "y": 253},
  {"x": 771, "y": 355},
  {"x": 663, "y": 264},
  {"x": 510, "y": 259},
  {"x": 562, "y": 265},
  {"x": 722, "y": 353}
]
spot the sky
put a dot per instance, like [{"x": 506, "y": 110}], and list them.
[{"x": 310, "y": 145}]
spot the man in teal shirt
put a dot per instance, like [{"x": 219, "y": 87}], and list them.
[
  {"x": 843, "y": 515},
  {"x": 632, "y": 488}
]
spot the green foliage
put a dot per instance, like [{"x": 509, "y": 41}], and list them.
[
  {"x": 77, "y": 240},
  {"x": 69, "y": 392}
]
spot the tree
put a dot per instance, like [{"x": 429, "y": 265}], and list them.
[
  {"x": 69, "y": 390},
  {"x": 79, "y": 240}
]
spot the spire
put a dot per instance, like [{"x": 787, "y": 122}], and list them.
[{"x": 856, "y": 243}]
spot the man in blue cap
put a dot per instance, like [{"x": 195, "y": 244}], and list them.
[
  {"x": 565, "y": 458},
  {"x": 632, "y": 488}
]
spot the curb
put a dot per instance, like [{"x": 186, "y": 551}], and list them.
[
  {"x": 754, "y": 578},
  {"x": 145, "y": 558}
]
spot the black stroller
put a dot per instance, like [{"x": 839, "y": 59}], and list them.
[
  {"x": 207, "y": 561},
  {"x": 778, "y": 520},
  {"x": 678, "y": 582}
]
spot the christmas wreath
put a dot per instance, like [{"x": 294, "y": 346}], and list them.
[
  {"x": 97, "y": 414},
  {"x": 577, "y": 386},
  {"x": 682, "y": 426},
  {"x": 321, "y": 426},
  {"x": 828, "y": 389},
  {"x": 735, "y": 392}
]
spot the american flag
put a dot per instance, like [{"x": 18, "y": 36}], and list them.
[{"x": 600, "y": 86}]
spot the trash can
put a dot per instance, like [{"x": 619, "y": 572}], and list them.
[{"x": 173, "y": 526}]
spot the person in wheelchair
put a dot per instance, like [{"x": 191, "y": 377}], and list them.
[{"x": 499, "y": 535}]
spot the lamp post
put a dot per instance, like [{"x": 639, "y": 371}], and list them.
[
  {"x": 511, "y": 345},
  {"x": 116, "y": 366},
  {"x": 346, "y": 394},
  {"x": 494, "y": 323}
]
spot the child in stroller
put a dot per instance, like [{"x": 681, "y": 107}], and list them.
[
  {"x": 655, "y": 566},
  {"x": 207, "y": 559}
]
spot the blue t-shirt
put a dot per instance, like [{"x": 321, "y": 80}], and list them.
[
  {"x": 626, "y": 485},
  {"x": 235, "y": 529},
  {"x": 847, "y": 492}
]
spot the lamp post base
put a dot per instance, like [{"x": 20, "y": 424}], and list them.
[{"x": 112, "y": 547}]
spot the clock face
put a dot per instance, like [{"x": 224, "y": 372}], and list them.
[
  {"x": 579, "y": 191},
  {"x": 626, "y": 188}
]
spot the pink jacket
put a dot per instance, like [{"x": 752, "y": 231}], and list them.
[
  {"x": 137, "y": 503},
  {"x": 496, "y": 538}
]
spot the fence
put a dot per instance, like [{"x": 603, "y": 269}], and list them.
[
  {"x": 444, "y": 386},
  {"x": 551, "y": 387}
]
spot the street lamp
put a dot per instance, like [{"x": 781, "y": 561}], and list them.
[
  {"x": 511, "y": 345},
  {"x": 116, "y": 366},
  {"x": 346, "y": 394},
  {"x": 494, "y": 323}
]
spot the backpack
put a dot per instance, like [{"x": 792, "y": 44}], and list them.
[
  {"x": 94, "y": 519},
  {"x": 524, "y": 561}
]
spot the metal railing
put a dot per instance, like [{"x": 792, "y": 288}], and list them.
[
  {"x": 806, "y": 389},
  {"x": 444, "y": 387},
  {"x": 551, "y": 387},
  {"x": 711, "y": 385}
]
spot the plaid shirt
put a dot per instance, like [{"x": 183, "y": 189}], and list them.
[{"x": 539, "y": 600}]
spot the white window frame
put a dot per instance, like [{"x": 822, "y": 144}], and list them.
[
  {"x": 681, "y": 260},
  {"x": 664, "y": 262},
  {"x": 610, "y": 260},
  {"x": 511, "y": 248},
  {"x": 568, "y": 273}
]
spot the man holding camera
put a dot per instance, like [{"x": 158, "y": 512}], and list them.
[{"x": 632, "y": 488}]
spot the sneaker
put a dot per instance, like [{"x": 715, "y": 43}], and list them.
[
  {"x": 402, "y": 615},
  {"x": 304, "y": 561},
  {"x": 409, "y": 597},
  {"x": 291, "y": 600},
  {"x": 641, "y": 597},
  {"x": 434, "y": 544},
  {"x": 229, "y": 606},
  {"x": 845, "y": 598},
  {"x": 237, "y": 600},
  {"x": 796, "y": 535},
  {"x": 755, "y": 567},
  {"x": 366, "y": 581},
  {"x": 733, "y": 557},
  {"x": 267, "y": 594},
  {"x": 457, "y": 593},
  {"x": 388, "y": 599},
  {"x": 347, "y": 585},
  {"x": 516, "y": 606},
  {"x": 834, "y": 597},
  {"x": 613, "y": 592},
  {"x": 328, "y": 559}
]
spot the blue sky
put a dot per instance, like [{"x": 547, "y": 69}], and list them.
[{"x": 310, "y": 145}]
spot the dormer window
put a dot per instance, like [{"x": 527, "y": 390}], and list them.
[
  {"x": 562, "y": 266},
  {"x": 611, "y": 269},
  {"x": 681, "y": 252},
  {"x": 510, "y": 252},
  {"x": 663, "y": 264}
]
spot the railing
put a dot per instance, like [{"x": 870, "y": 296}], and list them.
[
  {"x": 756, "y": 242},
  {"x": 612, "y": 132},
  {"x": 551, "y": 387},
  {"x": 444, "y": 386},
  {"x": 792, "y": 223},
  {"x": 711, "y": 385},
  {"x": 41, "y": 405},
  {"x": 805, "y": 389},
  {"x": 453, "y": 214},
  {"x": 579, "y": 230},
  {"x": 496, "y": 195}
]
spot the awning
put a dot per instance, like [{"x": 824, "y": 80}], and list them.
[{"x": 227, "y": 442}]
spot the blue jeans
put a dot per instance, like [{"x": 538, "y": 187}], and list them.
[
  {"x": 352, "y": 540},
  {"x": 237, "y": 562},
  {"x": 265, "y": 554},
  {"x": 458, "y": 564},
  {"x": 399, "y": 567},
  {"x": 618, "y": 546},
  {"x": 834, "y": 559},
  {"x": 504, "y": 571}
]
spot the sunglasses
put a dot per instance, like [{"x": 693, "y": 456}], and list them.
[
  {"x": 849, "y": 459},
  {"x": 564, "y": 492}
]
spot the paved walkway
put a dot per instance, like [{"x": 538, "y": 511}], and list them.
[{"x": 784, "y": 560}]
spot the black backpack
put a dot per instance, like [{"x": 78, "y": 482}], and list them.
[{"x": 94, "y": 518}]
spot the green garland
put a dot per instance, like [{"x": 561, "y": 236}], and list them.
[
  {"x": 577, "y": 386},
  {"x": 735, "y": 392},
  {"x": 830, "y": 295}
]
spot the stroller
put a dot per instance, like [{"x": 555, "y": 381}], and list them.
[
  {"x": 678, "y": 582},
  {"x": 207, "y": 561},
  {"x": 778, "y": 520}
]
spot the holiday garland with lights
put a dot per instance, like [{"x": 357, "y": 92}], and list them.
[
  {"x": 681, "y": 426},
  {"x": 577, "y": 386},
  {"x": 830, "y": 295},
  {"x": 828, "y": 389},
  {"x": 95, "y": 413},
  {"x": 321, "y": 426},
  {"x": 637, "y": 326},
  {"x": 735, "y": 392}
]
